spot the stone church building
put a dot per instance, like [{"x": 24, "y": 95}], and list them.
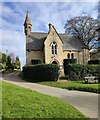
[{"x": 53, "y": 47}]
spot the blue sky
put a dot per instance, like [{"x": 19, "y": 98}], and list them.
[{"x": 41, "y": 13}]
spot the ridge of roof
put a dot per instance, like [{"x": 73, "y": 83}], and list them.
[
  {"x": 70, "y": 42},
  {"x": 40, "y": 32},
  {"x": 58, "y": 33}
]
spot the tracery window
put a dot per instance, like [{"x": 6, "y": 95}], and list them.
[{"x": 54, "y": 48}]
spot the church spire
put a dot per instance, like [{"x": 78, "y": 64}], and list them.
[
  {"x": 27, "y": 25},
  {"x": 27, "y": 19}
]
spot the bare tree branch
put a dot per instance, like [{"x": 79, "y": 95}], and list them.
[{"x": 83, "y": 26}]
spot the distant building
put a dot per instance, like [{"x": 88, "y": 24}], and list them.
[
  {"x": 95, "y": 54},
  {"x": 53, "y": 47}
]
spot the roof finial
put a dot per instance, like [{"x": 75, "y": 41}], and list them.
[
  {"x": 27, "y": 12},
  {"x": 27, "y": 19}
]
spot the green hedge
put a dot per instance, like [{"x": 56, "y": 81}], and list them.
[
  {"x": 41, "y": 72},
  {"x": 66, "y": 62},
  {"x": 94, "y": 62},
  {"x": 70, "y": 61},
  {"x": 78, "y": 72},
  {"x": 34, "y": 62}
]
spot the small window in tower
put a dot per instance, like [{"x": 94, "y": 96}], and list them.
[
  {"x": 68, "y": 55},
  {"x": 29, "y": 27}
]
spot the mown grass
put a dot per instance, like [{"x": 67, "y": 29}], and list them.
[
  {"x": 0, "y": 99},
  {"x": 74, "y": 85},
  {"x": 19, "y": 102}
]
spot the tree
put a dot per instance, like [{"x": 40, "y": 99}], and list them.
[
  {"x": 17, "y": 63},
  {"x": 3, "y": 58},
  {"x": 9, "y": 64},
  {"x": 83, "y": 26}
]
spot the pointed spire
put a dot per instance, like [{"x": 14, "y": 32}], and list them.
[{"x": 27, "y": 19}]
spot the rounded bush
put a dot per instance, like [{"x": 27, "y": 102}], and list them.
[
  {"x": 94, "y": 62},
  {"x": 78, "y": 72},
  {"x": 41, "y": 72}
]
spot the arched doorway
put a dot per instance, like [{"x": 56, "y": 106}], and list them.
[{"x": 54, "y": 62}]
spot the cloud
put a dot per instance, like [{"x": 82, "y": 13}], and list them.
[
  {"x": 41, "y": 13},
  {"x": 51, "y": 0},
  {"x": 14, "y": 42}
]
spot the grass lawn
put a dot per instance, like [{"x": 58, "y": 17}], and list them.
[
  {"x": 74, "y": 85},
  {"x": 19, "y": 102},
  {"x": 0, "y": 99}
]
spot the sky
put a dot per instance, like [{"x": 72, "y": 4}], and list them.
[{"x": 12, "y": 17}]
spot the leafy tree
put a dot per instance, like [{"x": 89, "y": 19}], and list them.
[
  {"x": 8, "y": 61},
  {"x": 17, "y": 63},
  {"x": 9, "y": 64},
  {"x": 3, "y": 58},
  {"x": 83, "y": 26}
]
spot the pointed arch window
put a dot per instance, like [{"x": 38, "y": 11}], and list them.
[
  {"x": 54, "y": 48},
  {"x": 68, "y": 55},
  {"x": 72, "y": 56}
]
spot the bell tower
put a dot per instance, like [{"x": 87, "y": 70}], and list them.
[
  {"x": 27, "y": 31},
  {"x": 27, "y": 25}
]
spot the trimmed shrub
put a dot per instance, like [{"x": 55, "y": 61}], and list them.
[
  {"x": 70, "y": 61},
  {"x": 41, "y": 72},
  {"x": 78, "y": 72},
  {"x": 94, "y": 62},
  {"x": 34, "y": 62},
  {"x": 21, "y": 75},
  {"x": 98, "y": 72}
]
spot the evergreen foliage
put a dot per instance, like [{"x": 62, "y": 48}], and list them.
[
  {"x": 41, "y": 72},
  {"x": 78, "y": 72}
]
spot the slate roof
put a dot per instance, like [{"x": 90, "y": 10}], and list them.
[{"x": 36, "y": 41}]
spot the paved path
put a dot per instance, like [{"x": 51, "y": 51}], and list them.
[{"x": 85, "y": 102}]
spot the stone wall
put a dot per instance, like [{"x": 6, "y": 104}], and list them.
[
  {"x": 75, "y": 53},
  {"x": 82, "y": 56},
  {"x": 95, "y": 56},
  {"x": 37, "y": 55},
  {"x": 53, "y": 36}
]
